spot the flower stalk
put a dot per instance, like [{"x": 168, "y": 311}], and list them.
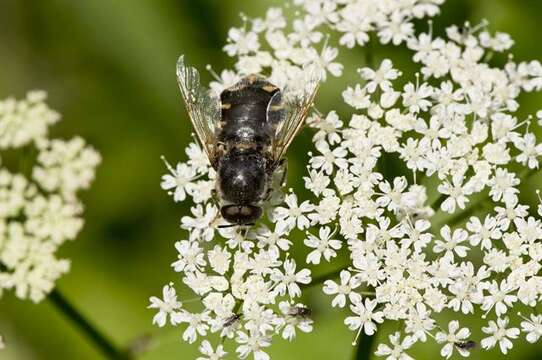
[
  {"x": 364, "y": 348},
  {"x": 102, "y": 343}
]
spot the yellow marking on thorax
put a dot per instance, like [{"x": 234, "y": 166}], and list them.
[
  {"x": 245, "y": 146},
  {"x": 269, "y": 88},
  {"x": 277, "y": 107}
]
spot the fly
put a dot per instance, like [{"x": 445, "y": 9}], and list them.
[
  {"x": 231, "y": 320},
  {"x": 245, "y": 134},
  {"x": 300, "y": 312},
  {"x": 466, "y": 345}
]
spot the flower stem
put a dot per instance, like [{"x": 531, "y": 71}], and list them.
[
  {"x": 93, "y": 334},
  {"x": 368, "y": 54},
  {"x": 436, "y": 204},
  {"x": 364, "y": 348}
]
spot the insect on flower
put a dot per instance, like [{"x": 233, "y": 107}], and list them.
[
  {"x": 466, "y": 345},
  {"x": 302, "y": 312},
  {"x": 232, "y": 320},
  {"x": 245, "y": 133}
]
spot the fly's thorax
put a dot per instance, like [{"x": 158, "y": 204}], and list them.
[
  {"x": 242, "y": 176},
  {"x": 245, "y": 117}
]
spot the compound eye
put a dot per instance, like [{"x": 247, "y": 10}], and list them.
[
  {"x": 230, "y": 210},
  {"x": 241, "y": 214}
]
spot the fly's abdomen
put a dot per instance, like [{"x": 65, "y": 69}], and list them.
[{"x": 242, "y": 176}]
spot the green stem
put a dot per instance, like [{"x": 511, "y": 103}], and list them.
[
  {"x": 364, "y": 349},
  {"x": 98, "y": 339},
  {"x": 436, "y": 204},
  {"x": 368, "y": 53}
]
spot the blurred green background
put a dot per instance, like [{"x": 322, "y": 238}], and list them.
[{"x": 108, "y": 66}]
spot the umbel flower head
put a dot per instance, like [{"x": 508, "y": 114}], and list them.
[
  {"x": 39, "y": 208},
  {"x": 445, "y": 233}
]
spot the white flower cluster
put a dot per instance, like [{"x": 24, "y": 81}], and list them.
[
  {"x": 452, "y": 128},
  {"x": 39, "y": 209}
]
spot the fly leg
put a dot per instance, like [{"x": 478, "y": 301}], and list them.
[
  {"x": 283, "y": 165},
  {"x": 214, "y": 198},
  {"x": 216, "y": 202},
  {"x": 279, "y": 178}
]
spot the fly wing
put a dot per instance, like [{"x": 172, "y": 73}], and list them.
[
  {"x": 203, "y": 108},
  {"x": 288, "y": 110}
]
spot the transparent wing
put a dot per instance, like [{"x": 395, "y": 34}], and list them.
[
  {"x": 203, "y": 108},
  {"x": 295, "y": 103}
]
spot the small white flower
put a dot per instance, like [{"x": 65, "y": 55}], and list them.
[
  {"x": 294, "y": 215},
  {"x": 357, "y": 97},
  {"x": 530, "y": 151},
  {"x": 503, "y": 185},
  {"x": 191, "y": 257},
  {"x": 499, "y": 298},
  {"x": 241, "y": 42},
  {"x": 532, "y": 327},
  {"x": 396, "y": 30},
  {"x": 346, "y": 288},
  {"x": 292, "y": 320},
  {"x": 451, "y": 242},
  {"x": 397, "y": 349},
  {"x": 179, "y": 180},
  {"x": 322, "y": 245},
  {"x": 416, "y": 98},
  {"x": 329, "y": 158},
  {"x": 197, "y": 324},
  {"x": 210, "y": 354},
  {"x": 252, "y": 343},
  {"x": 392, "y": 197},
  {"x": 381, "y": 77},
  {"x": 197, "y": 158},
  {"x": 485, "y": 233},
  {"x": 203, "y": 224},
  {"x": 327, "y": 127},
  {"x": 456, "y": 193},
  {"x": 452, "y": 339},
  {"x": 168, "y": 306},
  {"x": 366, "y": 317},
  {"x": 499, "y": 334},
  {"x": 289, "y": 279},
  {"x": 324, "y": 61},
  {"x": 219, "y": 260},
  {"x": 317, "y": 182},
  {"x": 274, "y": 240}
]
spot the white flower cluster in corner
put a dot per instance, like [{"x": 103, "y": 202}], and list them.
[
  {"x": 39, "y": 208},
  {"x": 453, "y": 135}
]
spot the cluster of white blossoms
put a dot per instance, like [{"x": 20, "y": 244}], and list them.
[
  {"x": 39, "y": 208},
  {"x": 443, "y": 233}
]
